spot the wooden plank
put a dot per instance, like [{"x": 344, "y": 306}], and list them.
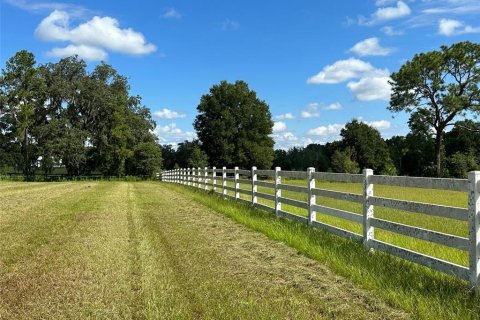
[
  {"x": 337, "y": 231},
  {"x": 244, "y": 172},
  {"x": 265, "y": 184},
  {"x": 354, "y": 197},
  {"x": 419, "y": 182},
  {"x": 243, "y": 191},
  {"x": 342, "y": 177},
  {"x": 294, "y": 174},
  {"x": 230, "y": 170},
  {"x": 293, "y": 188},
  {"x": 338, "y": 213},
  {"x": 230, "y": 188},
  {"x": 291, "y": 216},
  {"x": 295, "y": 203},
  {"x": 230, "y": 179},
  {"x": 245, "y": 181},
  {"x": 268, "y": 173},
  {"x": 424, "y": 260},
  {"x": 420, "y": 207},
  {"x": 424, "y": 234},
  {"x": 266, "y": 196},
  {"x": 244, "y": 201}
]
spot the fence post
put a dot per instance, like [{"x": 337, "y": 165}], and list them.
[
  {"x": 188, "y": 177},
  {"x": 184, "y": 176},
  {"x": 254, "y": 186},
  {"x": 368, "y": 230},
  {"x": 205, "y": 179},
  {"x": 237, "y": 184},
  {"x": 473, "y": 227},
  {"x": 278, "y": 191},
  {"x": 214, "y": 179},
  {"x": 224, "y": 182},
  {"x": 312, "y": 214},
  {"x": 199, "y": 177}
]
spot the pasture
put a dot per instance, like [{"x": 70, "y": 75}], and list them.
[{"x": 146, "y": 250}]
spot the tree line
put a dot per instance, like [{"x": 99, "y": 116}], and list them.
[{"x": 59, "y": 114}]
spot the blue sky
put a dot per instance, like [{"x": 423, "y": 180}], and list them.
[{"x": 318, "y": 64}]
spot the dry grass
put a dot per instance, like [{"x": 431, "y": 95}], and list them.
[{"x": 117, "y": 250}]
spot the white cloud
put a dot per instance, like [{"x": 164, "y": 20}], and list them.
[
  {"x": 374, "y": 87},
  {"x": 172, "y": 13},
  {"x": 171, "y": 134},
  {"x": 390, "y": 13},
  {"x": 287, "y": 140},
  {"x": 334, "y": 106},
  {"x": 279, "y": 126},
  {"x": 311, "y": 111},
  {"x": 450, "y": 27},
  {"x": 86, "y": 52},
  {"x": 380, "y": 125},
  {"x": 386, "y": 13},
  {"x": 367, "y": 83},
  {"x": 329, "y": 130},
  {"x": 168, "y": 114},
  {"x": 390, "y": 31},
  {"x": 102, "y": 33},
  {"x": 340, "y": 71},
  {"x": 228, "y": 24},
  {"x": 286, "y": 116},
  {"x": 38, "y": 7},
  {"x": 370, "y": 47}
]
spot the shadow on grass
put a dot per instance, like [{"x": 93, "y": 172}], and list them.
[{"x": 425, "y": 293}]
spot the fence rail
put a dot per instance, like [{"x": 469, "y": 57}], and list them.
[{"x": 216, "y": 180}]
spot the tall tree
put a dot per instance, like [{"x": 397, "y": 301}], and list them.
[
  {"x": 437, "y": 87},
  {"x": 234, "y": 126},
  {"x": 22, "y": 92},
  {"x": 368, "y": 147}
]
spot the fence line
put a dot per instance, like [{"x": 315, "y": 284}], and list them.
[{"x": 206, "y": 179}]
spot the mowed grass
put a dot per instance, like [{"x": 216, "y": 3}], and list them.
[
  {"x": 440, "y": 224},
  {"x": 142, "y": 250},
  {"x": 426, "y": 293}
]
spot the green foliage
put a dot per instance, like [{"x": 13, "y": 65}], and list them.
[
  {"x": 438, "y": 86},
  {"x": 190, "y": 155},
  {"x": 313, "y": 155},
  {"x": 459, "y": 164},
  {"x": 58, "y": 114},
  {"x": 234, "y": 127},
  {"x": 342, "y": 161},
  {"x": 369, "y": 149}
]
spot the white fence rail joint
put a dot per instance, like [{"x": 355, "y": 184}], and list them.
[{"x": 196, "y": 178}]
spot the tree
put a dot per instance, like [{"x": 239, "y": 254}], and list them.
[
  {"x": 437, "y": 87},
  {"x": 343, "y": 161},
  {"x": 234, "y": 127},
  {"x": 22, "y": 92},
  {"x": 190, "y": 155},
  {"x": 371, "y": 151}
]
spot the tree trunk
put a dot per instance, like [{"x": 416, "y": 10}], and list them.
[{"x": 438, "y": 152}]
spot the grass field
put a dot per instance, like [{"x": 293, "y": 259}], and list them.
[
  {"x": 424, "y": 293},
  {"x": 145, "y": 250}
]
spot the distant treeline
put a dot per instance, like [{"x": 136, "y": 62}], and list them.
[
  {"x": 362, "y": 146},
  {"x": 60, "y": 115}
]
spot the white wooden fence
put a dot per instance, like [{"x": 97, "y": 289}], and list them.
[{"x": 216, "y": 180}]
